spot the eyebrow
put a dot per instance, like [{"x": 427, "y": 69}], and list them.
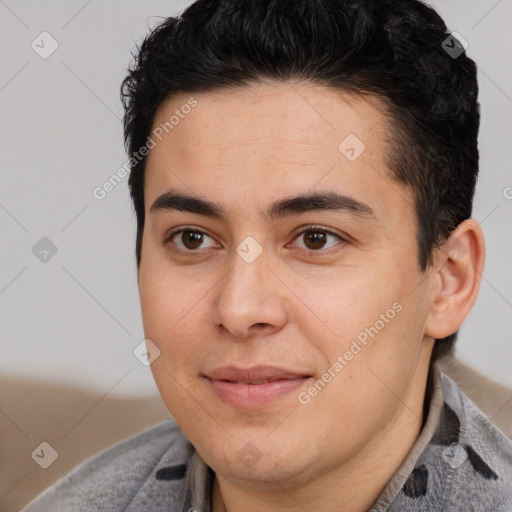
[{"x": 328, "y": 200}]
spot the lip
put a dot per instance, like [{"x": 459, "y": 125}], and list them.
[{"x": 255, "y": 387}]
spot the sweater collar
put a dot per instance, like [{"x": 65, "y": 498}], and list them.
[{"x": 429, "y": 474}]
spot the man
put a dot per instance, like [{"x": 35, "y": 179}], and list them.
[{"x": 303, "y": 174}]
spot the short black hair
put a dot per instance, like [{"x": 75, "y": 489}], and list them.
[{"x": 396, "y": 50}]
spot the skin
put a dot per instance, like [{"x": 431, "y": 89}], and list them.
[{"x": 294, "y": 307}]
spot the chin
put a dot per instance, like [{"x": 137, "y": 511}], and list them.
[{"x": 266, "y": 463}]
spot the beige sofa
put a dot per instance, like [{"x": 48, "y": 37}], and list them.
[{"x": 78, "y": 423}]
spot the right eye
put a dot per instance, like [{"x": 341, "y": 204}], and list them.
[{"x": 189, "y": 240}]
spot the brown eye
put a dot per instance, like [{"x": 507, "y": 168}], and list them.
[
  {"x": 314, "y": 239},
  {"x": 190, "y": 240}
]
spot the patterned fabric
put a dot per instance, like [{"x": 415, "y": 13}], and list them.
[
  {"x": 466, "y": 465},
  {"x": 460, "y": 463}
]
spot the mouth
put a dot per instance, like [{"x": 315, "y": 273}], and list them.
[{"x": 254, "y": 387}]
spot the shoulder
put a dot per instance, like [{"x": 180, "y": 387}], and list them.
[
  {"x": 465, "y": 466},
  {"x": 479, "y": 458},
  {"x": 143, "y": 472}
]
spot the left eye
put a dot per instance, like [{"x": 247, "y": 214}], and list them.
[{"x": 315, "y": 239}]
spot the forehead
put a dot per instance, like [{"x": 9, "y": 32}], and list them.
[
  {"x": 296, "y": 112},
  {"x": 268, "y": 140}
]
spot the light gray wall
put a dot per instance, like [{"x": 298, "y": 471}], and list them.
[{"x": 75, "y": 317}]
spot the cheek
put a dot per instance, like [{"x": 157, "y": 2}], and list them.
[
  {"x": 174, "y": 326},
  {"x": 342, "y": 309},
  {"x": 170, "y": 299},
  {"x": 370, "y": 317}
]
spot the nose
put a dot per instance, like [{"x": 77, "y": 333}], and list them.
[{"x": 250, "y": 300}]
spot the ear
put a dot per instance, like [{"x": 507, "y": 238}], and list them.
[{"x": 459, "y": 266}]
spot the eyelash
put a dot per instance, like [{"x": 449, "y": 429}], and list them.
[{"x": 296, "y": 234}]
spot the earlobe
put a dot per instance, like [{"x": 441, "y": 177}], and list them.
[{"x": 460, "y": 263}]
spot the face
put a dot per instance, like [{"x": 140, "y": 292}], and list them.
[{"x": 279, "y": 280}]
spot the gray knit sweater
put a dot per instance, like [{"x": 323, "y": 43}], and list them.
[{"x": 460, "y": 463}]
